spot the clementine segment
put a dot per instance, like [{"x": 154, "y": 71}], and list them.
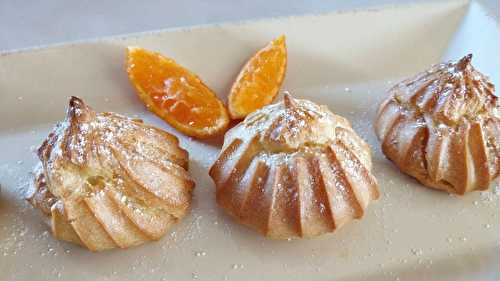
[
  {"x": 260, "y": 79},
  {"x": 175, "y": 94}
]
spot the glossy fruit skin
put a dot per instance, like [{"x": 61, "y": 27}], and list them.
[
  {"x": 259, "y": 80},
  {"x": 175, "y": 94}
]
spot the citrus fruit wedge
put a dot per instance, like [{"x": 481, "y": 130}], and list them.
[
  {"x": 175, "y": 94},
  {"x": 260, "y": 79}
]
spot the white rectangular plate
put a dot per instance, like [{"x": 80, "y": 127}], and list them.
[{"x": 344, "y": 60}]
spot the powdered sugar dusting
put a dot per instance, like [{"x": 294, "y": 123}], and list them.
[
  {"x": 303, "y": 148},
  {"x": 107, "y": 159}
]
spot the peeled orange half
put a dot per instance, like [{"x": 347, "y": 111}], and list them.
[
  {"x": 175, "y": 94},
  {"x": 260, "y": 79}
]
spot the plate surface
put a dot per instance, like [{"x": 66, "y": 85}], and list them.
[{"x": 345, "y": 60}]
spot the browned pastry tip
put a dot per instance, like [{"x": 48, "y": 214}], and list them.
[
  {"x": 443, "y": 127},
  {"x": 106, "y": 181},
  {"x": 294, "y": 169}
]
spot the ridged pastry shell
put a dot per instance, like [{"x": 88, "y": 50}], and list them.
[
  {"x": 107, "y": 181},
  {"x": 294, "y": 169},
  {"x": 443, "y": 127}
]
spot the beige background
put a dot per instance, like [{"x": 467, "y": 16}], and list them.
[
  {"x": 29, "y": 23},
  {"x": 411, "y": 233}
]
